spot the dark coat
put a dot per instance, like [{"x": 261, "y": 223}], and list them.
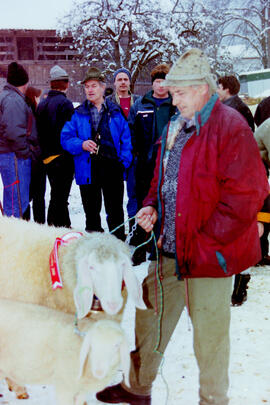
[
  {"x": 16, "y": 120},
  {"x": 52, "y": 113},
  {"x": 236, "y": 103},
  {"x": 221, "y": 186},
  {"x": 262, "y": 111},
  {"x": 146, "y": 122}
]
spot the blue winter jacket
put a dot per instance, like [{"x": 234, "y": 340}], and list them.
[{"x": 78, "y": 130}]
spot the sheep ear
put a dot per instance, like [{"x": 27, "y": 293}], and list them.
[
  {"x": 125, "y": 361},
  {"x": 83, "y": 292},
  {"x": 133, "y": 285},
  {"x": 84, "y": 352}
]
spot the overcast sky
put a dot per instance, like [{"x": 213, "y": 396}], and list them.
[{"x": 32, "y": 14}]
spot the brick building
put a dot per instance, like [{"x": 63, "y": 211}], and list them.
[{"x": 38, "y": 51}]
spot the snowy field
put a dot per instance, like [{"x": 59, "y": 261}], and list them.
[{"x": 177, "y": 382}]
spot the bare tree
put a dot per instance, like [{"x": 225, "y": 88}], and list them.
[
  {"x": 250, "y": 25},
  {"x": 134, "y": 33}
]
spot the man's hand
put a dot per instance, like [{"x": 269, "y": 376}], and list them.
[
  {"x": 147, "y": 217},
  {"x": 260, "y": 228},
  {"x": 90, "y": 146}
]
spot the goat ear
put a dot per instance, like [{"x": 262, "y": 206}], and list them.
[
  {"x": 125, "y": 361},
  {"x": 134, "y": 287},
  {"x": 83, "y": 292},
  {"x": 84, "y": 352}
]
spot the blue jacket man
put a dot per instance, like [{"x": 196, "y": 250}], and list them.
[{"x": 99, "y": 139}]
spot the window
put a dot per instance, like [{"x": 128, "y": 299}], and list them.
[{"x": 25, "y": 48}]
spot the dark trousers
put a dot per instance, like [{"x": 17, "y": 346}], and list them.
[
  {"x": 60, "y": 172},
  {"x": 37, "y": 191},
  {"x": 106, "y": 179}
]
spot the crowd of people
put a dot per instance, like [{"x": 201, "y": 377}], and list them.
[{"x": 194, "y": 176}]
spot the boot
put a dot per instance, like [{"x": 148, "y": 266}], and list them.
[
  {"x": 117, "y": 394},
  {"x": 239, "y": 294}
]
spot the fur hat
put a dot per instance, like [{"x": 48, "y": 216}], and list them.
[
  {"x": 93, "y": 73},
  {"x": 57, "y": 73},
  {"x": 159, "y": 71},
  {"x": 17, "y": 75},
  {"x": 190, "y": 69},
  {"x": 122, "y": 70}
]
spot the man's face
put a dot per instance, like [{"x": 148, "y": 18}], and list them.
[
  {"x": 158, "y": 90},
  {"x": 189, "y": 99},
  {"x": 94, "y": 91},
  {"x": 223, "y": 94},
  {"x": 122, "y": 83}
]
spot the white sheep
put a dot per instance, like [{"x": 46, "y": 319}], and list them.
[
  {"x": 96, "y": 263},
  {"x": 38, "y": 346}
]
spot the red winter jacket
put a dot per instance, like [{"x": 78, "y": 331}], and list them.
[{"x": 222, "y": 185}]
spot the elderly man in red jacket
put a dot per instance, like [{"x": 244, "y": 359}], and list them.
[{"x": 209, "y": 183}]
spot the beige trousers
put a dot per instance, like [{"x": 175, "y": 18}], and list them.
[{"x": 209, "y": 303}]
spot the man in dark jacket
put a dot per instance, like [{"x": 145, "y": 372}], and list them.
[
  {"x": 125, "y": 99},
  {"x": 262, "y": 111},
  {"x": 52, "y": 113},
  {"x": 208, "y": 185},
  {"x": 98, "y": 137},
  {"x": 18, "y": 141},
  {"x": 147, "y": 118},
  {"x": 228, "y": 89}
]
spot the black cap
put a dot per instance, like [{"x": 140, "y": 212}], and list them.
[{"x": 17, "y": 75}]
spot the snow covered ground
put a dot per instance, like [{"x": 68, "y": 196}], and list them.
[{"x": 177, "y": 382}]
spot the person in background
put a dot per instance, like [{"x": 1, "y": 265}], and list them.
[
  {"x": 98, "y": 137},
  {"x": 147, "y": 118},
  {"x": 262, "y": 136},
  {"x": 52, "y": 113},
  {"x": 125, "y": 99},
  {"x": 18, "y": 142},
  {"x": 208, "y": 185},
  {"x": 228, "y": 89},
  {"x": 38, "y": 172},
  {"x": 262, "y": 111}
]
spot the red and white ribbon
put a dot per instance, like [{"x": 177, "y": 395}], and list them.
[{"x": 54, "y": 262}]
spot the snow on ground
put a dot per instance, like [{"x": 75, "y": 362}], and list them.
[{"x": 178, "y": 377}]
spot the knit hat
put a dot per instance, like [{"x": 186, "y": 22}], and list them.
[
  {"x": 57, "y": 73},
  {"x": 17, "y": 75},
  {"x": 93, "y": 73},
  {"x": 190, "y": 69},
  {"x": 122, "y": 70}
]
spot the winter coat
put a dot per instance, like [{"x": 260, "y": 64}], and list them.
[
  {"x": 52, "y": 113},
  {"x": 236, "y": 103},
  {"x": 144, "y": 126},
  {"x": 18, "y": 131},
  {"x": 262, "y": 111},
  {"x": 221, "y": 186},
  {"x": 78, "y": 130},
  {"x": 262, "y": 136}
]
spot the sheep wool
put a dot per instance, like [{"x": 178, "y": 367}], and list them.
[
  {"x": 38, "y": 346},
  {"x": 96, "y": 263}
]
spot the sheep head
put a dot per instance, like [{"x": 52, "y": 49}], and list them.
[
  {"x": 106, "y": 347},
  {"x": 102, "y": 265}
]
